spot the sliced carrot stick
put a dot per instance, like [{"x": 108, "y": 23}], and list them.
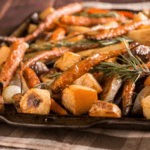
[
  {"x": 31, "y": 77},
  {"x": 97, "y": 11},
  {"x": 120, "y": 31},
  {"x": 86, "y": 21},
  {"x": 57, "y": 108},
  {"x": 58, "y": 34},
  {"x": 15, "y": 57}
]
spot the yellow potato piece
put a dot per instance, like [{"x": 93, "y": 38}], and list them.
[
  {"x": 105, "y": 109},
  {"x": 88, "y": 80},
  {"x": 67, "y": 60},
  {"x": 4, "y": 52}
]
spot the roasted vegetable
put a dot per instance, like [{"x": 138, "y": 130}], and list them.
[
  {"x": 89, "y": 81},
  {"x": 105, "y": 109},
  {"x": 15, "y": 57},
  {"x": 110, "y": 86},
  {"x": 78, "y": 99}
]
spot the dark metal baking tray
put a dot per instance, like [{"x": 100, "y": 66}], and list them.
[{"x": 55, "y": 121}]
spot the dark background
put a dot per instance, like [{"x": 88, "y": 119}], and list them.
[{"x": 13, "y": 12}]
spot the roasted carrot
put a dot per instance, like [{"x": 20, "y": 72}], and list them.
[
  {"x": 56, "y": 52},
  {"x": 119, "y": 31},
  {"x": 66, "y": 10},
  {"x": 127, "y": 96},
  {"x": 74, "y": 72},
  {"x": 86, "y": 21},
  {"x": 31, "y": 77},
  {"x": 97, "y": 11},
  {"x": 58, "y": 34},
  {"x": 57, "y": 108},
  {"x": 1, "y": 105},
  {"x": 147, "y": 81},
  {"x": 15, "y": 57}
]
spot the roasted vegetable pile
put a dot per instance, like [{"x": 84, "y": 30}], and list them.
[{"x": 75, "y": 60}]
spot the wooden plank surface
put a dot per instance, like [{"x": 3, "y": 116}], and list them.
[{"x": 13, "y": 12}]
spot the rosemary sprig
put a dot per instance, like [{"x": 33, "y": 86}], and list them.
[
  {"x": 130, "y": 70},
  {"x": 44, "y": 46},
  {"x": 55, "y": 75},
  {"x": 101, "y": 15},
  {"x": 83, "y": 42}
]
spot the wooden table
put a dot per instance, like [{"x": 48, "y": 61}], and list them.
[{"x": 13, "y": 12}]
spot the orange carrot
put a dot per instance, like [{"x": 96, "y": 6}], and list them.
[
  {"x": 56, "y": 52},
  {"x": 15, "y": 57},
  {"x": 58, "y": 34},
  {"x": 97, "y": 11},
  {"x": 31, "y": 77},
  {"x": 57, "y": 108},
  {"x": 86, "y": 21},
  {"x": 1, "y": 105},
  {"x": 66, "y": 10},
  {"x": 127, "y": 96},
  {"x": 119, "y": 31},
  {"x": 147, "y": 81}
]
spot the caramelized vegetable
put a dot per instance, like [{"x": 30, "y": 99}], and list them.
[
  {"x": 70, "y": 75},
  {"x": 57, "y": 108},
  {"x": 56, "y": 52},
  {"x": 58, "y": 34},
  {"x": 1, "y": 105},
  {"x": 120, "y": 31},
  {"x": 105, "y": 109},
  {"x": 127, "y": 96},
  {"x": 86, "y": 21},
  {"x": 66, "y": 10},
  {"x": 97, "y": 11},
  {"x": 15, "y": 57},
  {"x": 31, "y": 77}
]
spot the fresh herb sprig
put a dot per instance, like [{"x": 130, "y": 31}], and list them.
[
  {"x": 129, "y": 70},
  {"x": 83, "y": 42}
]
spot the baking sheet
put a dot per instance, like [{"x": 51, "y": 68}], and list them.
[{"x": 83, "y": 121}]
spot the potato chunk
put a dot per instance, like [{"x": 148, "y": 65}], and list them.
[
  {"x": 45, "y": 13},
  {"x": 67, "y": 60},
  {"x": 142, "y": 36},
  {"x": 140, "y": 16},
  {"x": 31, "y": 28},
  {"x": 105, "y": 109},
  {"x": 146, "y": 107},
  {"x": 78, "y": 99},
  {"x": 88, "y": 80},
  {"x": 36, "y": 101},
  {"x": 4, "y": 52}
]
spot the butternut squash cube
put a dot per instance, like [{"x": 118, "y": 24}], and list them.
[
  {"x": 88, "y": 80},
  {"x": 67, "y": 60},
  {"x": 78, "y": 99}
]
